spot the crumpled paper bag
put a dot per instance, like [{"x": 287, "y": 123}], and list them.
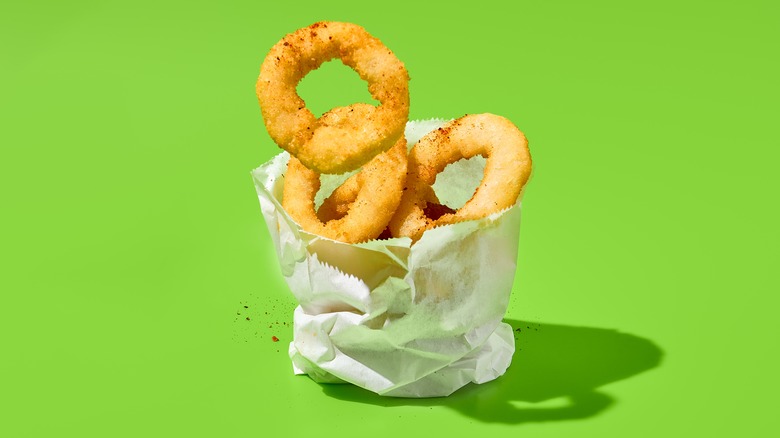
[{"x": 396, "y": 319}]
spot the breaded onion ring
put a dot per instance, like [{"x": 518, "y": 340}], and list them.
[
  {"x": 371, "y": 197},
  {"x": 337, "y": 204},
  {"x": 507, "y": 170},
  {"x": 344, "y": 138}
]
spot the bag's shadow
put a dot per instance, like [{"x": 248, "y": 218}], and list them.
[{"x": 552, "y": 363}]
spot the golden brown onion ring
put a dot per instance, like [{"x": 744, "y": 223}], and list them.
[
  {"x": 507, "y": 170},
  {"x": 371, "y": 197},
  {"x": 344, "y": 138},
  {"x": 337, "y": 204}
]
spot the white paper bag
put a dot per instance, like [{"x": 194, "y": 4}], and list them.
[{"x": 396, "y": 319}]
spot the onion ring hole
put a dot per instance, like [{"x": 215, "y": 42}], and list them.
[{"x": 333, "y": 84}]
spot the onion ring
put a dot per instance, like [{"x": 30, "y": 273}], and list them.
[
  {"x": 507, "y": 169},
  {"x": 344, "y": 138},
  {"x": 337, "y": 204},
  {"x": 360, "y": 209}
]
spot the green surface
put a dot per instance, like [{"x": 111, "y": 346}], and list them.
[{"x": 131, "y": 235}]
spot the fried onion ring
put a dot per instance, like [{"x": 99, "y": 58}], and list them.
[
  {"x": 344, "y": 138},
  {"x": 337, "y": 204},
  {"x": 359, "y": 209},
  {"x": 507, "y": 169}
]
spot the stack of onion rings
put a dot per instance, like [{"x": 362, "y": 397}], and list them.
[
  {"x": 392, "y": 195},
  {"x": 344, "y": 138}
]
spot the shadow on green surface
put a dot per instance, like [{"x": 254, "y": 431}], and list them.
[{"x": 553, "y": 363}]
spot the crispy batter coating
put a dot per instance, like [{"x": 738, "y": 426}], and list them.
[
  {"x": 359, "y": 209},
  {"x": 337, "y": 204},
  {"x": 507, "y": 170},
  {"x": 344, "y": 138}
]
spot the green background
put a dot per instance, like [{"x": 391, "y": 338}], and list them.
[{"x": 131, "y": 237}]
